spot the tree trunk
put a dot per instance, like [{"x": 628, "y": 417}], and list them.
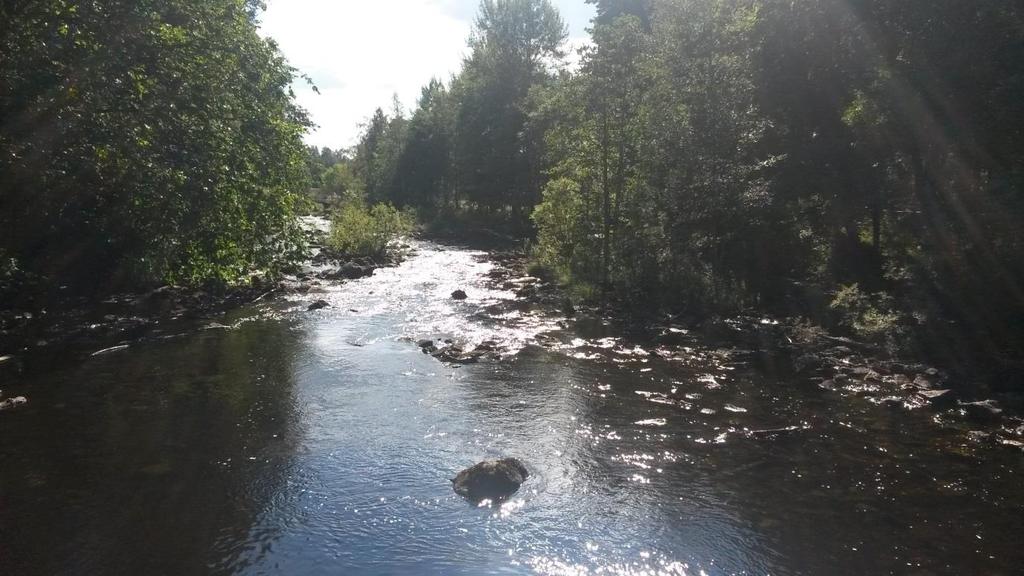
[
  {"x": 876, "y": 222},
  {"x": 606, "y": 200}
]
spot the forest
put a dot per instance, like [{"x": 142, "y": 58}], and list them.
[{"x": 837, "y": 160}]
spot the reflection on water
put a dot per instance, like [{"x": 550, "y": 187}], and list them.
[
  {"x": 154, "y": 461},
  {"x": 322, "y": 443}
]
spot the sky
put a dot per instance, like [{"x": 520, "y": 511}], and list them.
[{"x": 359, "y": 53}]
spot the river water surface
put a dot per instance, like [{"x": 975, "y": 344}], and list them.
[{"x": 295, "y": 442}]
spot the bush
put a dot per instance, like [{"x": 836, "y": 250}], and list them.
[
  {"x": 8, "y": 267},
  {"x": 867, "y": 316},
  {"x": 562, "y": 225},
  {"x": 361, "y": 231}
]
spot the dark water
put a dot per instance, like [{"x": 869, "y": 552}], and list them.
[{"x": 321, "y": 443}]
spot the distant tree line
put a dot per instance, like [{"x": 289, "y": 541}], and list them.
[
  {"x": 470, "y": 145},
  {"x": 860, "y": 161},
  {"x": 145, "y": 141},
  {"x": 320, "y": 161}
]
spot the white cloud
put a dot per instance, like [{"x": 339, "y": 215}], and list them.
[
  {"x": 573, "y": 46},
  {"x": 361, "y": 52}
]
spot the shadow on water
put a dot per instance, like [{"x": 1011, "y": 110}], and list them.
[{"x": 153, "y": 461}]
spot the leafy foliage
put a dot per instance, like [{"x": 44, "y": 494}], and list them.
[
  {"x": 867, "y": 317},
  {"x": 146, "y": 141},
  {"x": 360, "y": 231}
]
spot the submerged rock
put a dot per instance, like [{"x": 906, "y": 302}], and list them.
[
  {"x": 456, "y": 355},
  {"x": 427, "y": 346},
  {"x": 215, "y": 326},
  {"x": 349, "y": 271},
  {"x": 493, "y": 480},
  {"x": 486, "y": 346},
  {"x": 568, "y": 308},
  {"x": 937, "y": 397},
  {"x": 459, "y": 295},
  {"x": 808, "y": 363},
  {"x": 672, "y": 337},
  {"x": 13, "y": 402},
  {"x": 9, "y": 363},
  {"x": 319, "y": 305},
  {"x": 922, "y": 383},
  {"x": 354, "y": 271},
  {"x": 985, "y": 412}
]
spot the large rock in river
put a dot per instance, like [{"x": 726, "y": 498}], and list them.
[
  {"x": 493, "y": 479},
  {"x": 349, "y": 271},
  {"x": 354, "y": 271}
]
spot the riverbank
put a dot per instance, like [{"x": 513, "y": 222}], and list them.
[
  {"x": 75, "y": 327},
  {"x": 793, "y": 349}
]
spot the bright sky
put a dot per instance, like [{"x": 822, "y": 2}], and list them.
[{"x": 361, "y": 52}]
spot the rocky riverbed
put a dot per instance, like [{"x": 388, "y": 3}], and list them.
[{"x": 808, "y": 353}]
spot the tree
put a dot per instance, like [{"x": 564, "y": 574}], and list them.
[
  {"x": 369, "y": 151},
  {"x": 425, "y": 166},
  {"x": 497, "y": 162},
  {"x": 593, "y": 143},
  {"x": 146, "y": 142}
]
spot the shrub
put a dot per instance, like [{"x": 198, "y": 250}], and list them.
[
  {"x": 361, "y": 231},
  {"x": 562, "y": 225},
  {"x": 867, "y": 316},
  {"x": 8, "y": 267}
]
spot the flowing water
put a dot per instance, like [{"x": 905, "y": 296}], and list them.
[{"x": 297, "y": 442}]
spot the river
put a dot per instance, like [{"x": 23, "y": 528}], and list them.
[{"x": 295, "y": 442}]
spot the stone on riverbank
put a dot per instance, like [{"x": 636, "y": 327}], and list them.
[
  {"x": 983, "y": 412},
  {"x": 13, "y": 403},
  {"x": 672, "y": 337},
  {"x": 349, "y": 271},
  {"x": 490, "y": 480},
  {"x": 353, "y": 271},
  {"x": 937, "y": 397},
  {"x": 456, "y": 355}
]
